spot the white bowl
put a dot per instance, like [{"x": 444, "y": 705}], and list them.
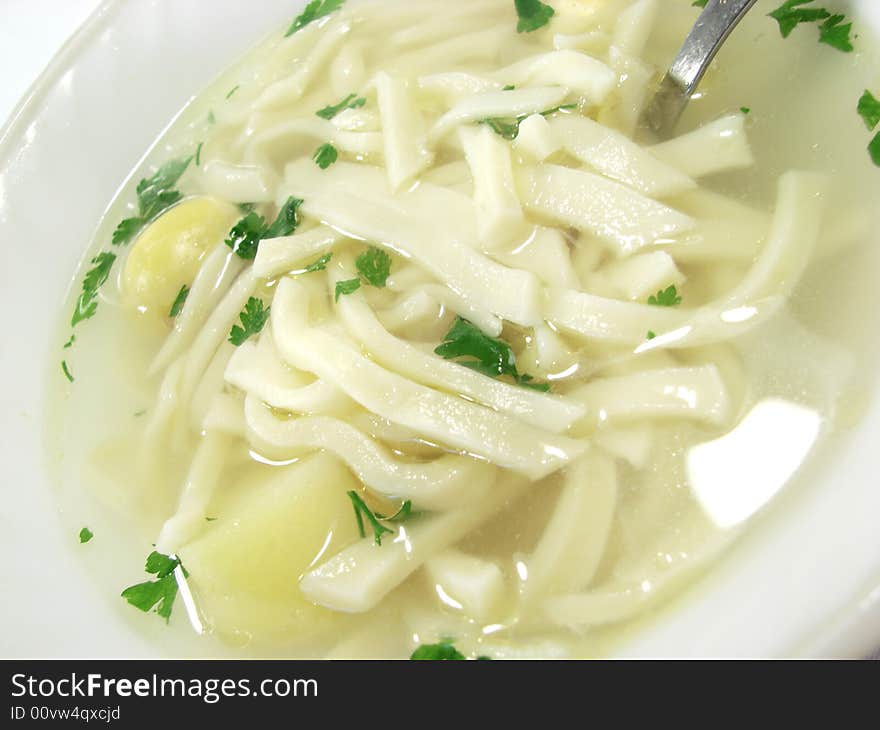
[{"x": 805, "y": 580}]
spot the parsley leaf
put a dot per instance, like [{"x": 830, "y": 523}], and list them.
[
  {"x": 198, "y": 158},
  {"x": 651, "y": 335},
  {"x": 869, "y": 110},
  {"x": 789, "y": 15},
  {"x": 325, "y": 156},
  {"x": 665, "y": 297},
  {"x": 486, "y": 355},
  {"x": 159, "y": 593},
  {"x": 374, "y": 266},
  {"x": 533, "y": 14},
  {"x": 86, "y": 306},
  {"x": 127, "y": 230},
  {"x": 287, "y": 220},
  {"x": 360, "y": 511},
  {"x": 509, "y": 128},
  {"x": 836, "y": 33},
  {"x": 69, "y": 343},
  {"x": 506, "y": 129},
  {"x": 245, "y": 236},
  {"x": 745, "y": 110},
  {"x": 314, "y": 10},
  {"x": 444, "y": 651},
  {"x": 253, "y": 319},
  {"x": 66, "y": 371},
  {"x": 318, "y": 265},
  {"x": 352, "y": 101},
  {"x": 349, "y": 286},
  {"x": 157, "y": 193},
  {"x": 232, "y": 91},
  {"x": 180, "y": 300},
  {"x": 85, "y": 534},
  {"x": 699, "y": 3},
  {"x": 874, "y": 149}
]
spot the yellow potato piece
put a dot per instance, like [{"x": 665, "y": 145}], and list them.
[
  {"x": 245, "y": 569},
  {"x": 167, "y": 254}
]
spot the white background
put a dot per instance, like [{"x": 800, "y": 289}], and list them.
[{"x": 31, "y": 32}]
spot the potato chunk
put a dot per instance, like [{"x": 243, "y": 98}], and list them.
[
  {"x": 168, "y": 252},
  {"x": 245, "y": 568}
]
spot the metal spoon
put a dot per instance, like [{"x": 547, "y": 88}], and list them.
[{"x": 712, "y": 28}]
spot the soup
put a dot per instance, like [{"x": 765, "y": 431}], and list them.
[{"x": 410, "y": 336}]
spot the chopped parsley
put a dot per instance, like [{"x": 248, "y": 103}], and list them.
[
  {"x": 325, "y": 156},
  {"x": 651, "y": 335},
  {"x": 533, "y": 14},
  {"x": 509, "y": 87},
  {"x": 287, "y": 220},
  {"x": 503, "y": 128},
  {"x": 66, "y": 371},
  {"x": 874, "y": 149},
  {"x": 869, "y": 110},
  {"x": 836, "y": 33},
  {"x": 159, "y": 593},
  {"x": 85, "y": 534},
  {"x": 349, "y": 286},
  {"x": 745, "y": 110},
  {"x": 86, "y": 306},
  {"x": 833, "y": 31},
  {"x": 699, "y": 3},
  {"x": 126, "y": 230},
  {"x": 313, "y": 11},
  {"x": 352, "y": 101},
  {"x": 319, "y": 264},
  {"x": 668, "y": 297},
  {"x": 360, "y": 511},
  {"x": 155, "y": 195},
  {"x": 444, "y": 651},
  {"x": 245, "y": 236},
  {"x": 180, "y": 300},
  {"x": 486, "y": 355},
  {"x": 509, "y": 128},
  {"x": 198, "y": 157},
  {"x": 790, "y": 15},
  {"x": 232, "y": 91},
  {"x": 374, "y": 268},
  {"x": 253, "y": 319},
  {"x": 69, "y": 343}
]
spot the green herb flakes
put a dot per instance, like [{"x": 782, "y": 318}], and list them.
[
  {"x": 325, "y": 156},
  {"x": 86, "y": 306},
  {"x": 253, "y": 319},
  {"x": 313, "y": 11},
  {"x": 179, "y": 301},
  {"x": 668, "y": 297},
  {"x": 352, "y": 101},
  {"x": 533, "y": 14},
  {"x": 470, "y": 347},
  {"x": 159, "y": 593}
]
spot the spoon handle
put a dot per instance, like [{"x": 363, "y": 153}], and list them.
[{"x": 712, "y": 28}]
